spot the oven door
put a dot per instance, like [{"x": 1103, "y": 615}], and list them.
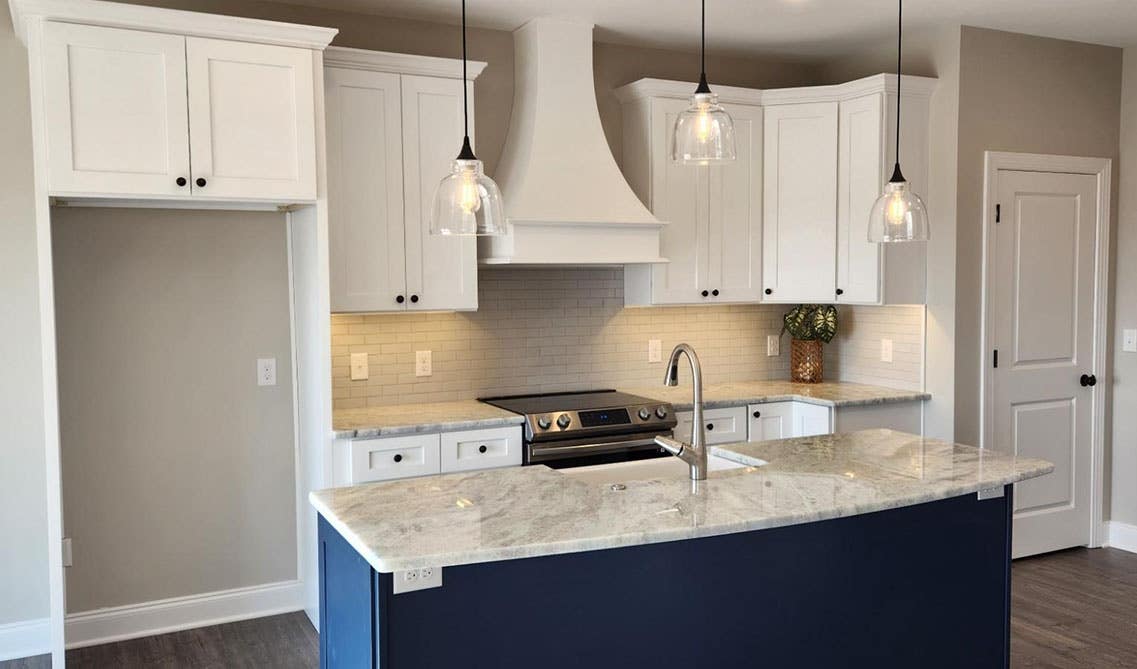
[{"x": 583, "y": 452}]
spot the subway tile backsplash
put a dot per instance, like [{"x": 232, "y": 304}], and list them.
[{"x": 539, "y": 330}]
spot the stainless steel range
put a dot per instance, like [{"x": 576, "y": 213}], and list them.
[{"x": 591, "y": 427}]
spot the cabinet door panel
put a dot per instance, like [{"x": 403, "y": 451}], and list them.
[
  {"x": 859, "y": 182},
  {"x": 252, "y": 120},
  {"x": 800, "y": 208},
  {"x": 442, "y": 270},
  {"x": 365, "y": 190},
  {"x": 115, "y": 102},
  {"x": 735, "y": 231},
  {"x": 811, "y": 419},
  {"x": 771, "y": 420}
]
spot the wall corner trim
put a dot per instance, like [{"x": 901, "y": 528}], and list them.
[
  {"x": 91, "y": 628},
  {"x": 1121, "y": 536}
]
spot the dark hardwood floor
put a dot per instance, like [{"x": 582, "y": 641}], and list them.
[{"x": 1072, "y": 609}]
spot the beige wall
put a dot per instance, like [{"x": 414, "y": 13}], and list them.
[
  {"x": 23, "y": 482},
  {"x": 1025, "y": 94},
  {"x": 178, "y": 470},
  {"x": 1123, "y": 497}
]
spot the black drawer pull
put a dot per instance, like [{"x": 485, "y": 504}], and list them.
[
  {"x": 400, "y": 299},
  {"x": 704, "y": 293},
  {"x": 181, "y": 181},
  {"x": 757, "y": 414},
  {"x": 482, "y": 448},
  {"x": 200, "y": 182},
  {"x": 769, "y": 291},
  {"x": 710, "y": 426},
  {"x": 398, "y": 457},
  {"x": 715, "y": 292}
]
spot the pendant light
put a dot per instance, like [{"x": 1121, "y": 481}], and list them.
[
  {"x": 704, "y": 132},
  {"x": 899, "y": 214},
  {"x": 467, "y": 202}
]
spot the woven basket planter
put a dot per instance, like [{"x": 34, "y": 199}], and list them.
[{"x": 806, "y": 364}]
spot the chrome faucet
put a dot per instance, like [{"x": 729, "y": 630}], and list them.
[{"x": 694, "y": 453}]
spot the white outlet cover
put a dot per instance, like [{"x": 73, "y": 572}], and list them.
[
  {"x": 410, "y": 580},
  {"x": 423, "y": 363},
  {"x": 359, "y": 367},
  {"x": 1129, "y": 341},
  {"x": 654, "y": 350},
  {"x": 773, "y": 345},
  {"x": 886, "y": 350},
  {"x": 266, "y": 371}
]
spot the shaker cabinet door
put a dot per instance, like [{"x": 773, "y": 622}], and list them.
[
  {"x": 115, "y": 112},
  {"x": 735, "y": 232},
  {"x": 860, "y": 180}
]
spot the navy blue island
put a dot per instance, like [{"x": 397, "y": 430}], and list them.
[{"x": 868, "y": 549}]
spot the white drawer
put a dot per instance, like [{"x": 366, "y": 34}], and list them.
[
  {"x": 394, "y": 458},
  {"x": 481, "y": 449},
  {"x": 721, "y": 426}
]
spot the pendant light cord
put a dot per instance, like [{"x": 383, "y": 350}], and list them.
[
  {"x": 897, "y": 177},
  {"x": 703, "y": 87},
  {"x": 467, "y": 152}
]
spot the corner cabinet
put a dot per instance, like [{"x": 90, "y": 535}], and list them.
[
  {"x": 713, "y": 216},
  {"x": 138, "y": 114},
  {"x": 394, "y": 124}
]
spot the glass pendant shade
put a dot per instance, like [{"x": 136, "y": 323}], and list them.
[
  {"x": 704, "y": 132},
  {"x": 467, "y": 202},
  {"x": 898, "y": 215}
]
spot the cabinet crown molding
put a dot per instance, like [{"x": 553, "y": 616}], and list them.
[
  {"x": 399, "y": 63},
  {"x": 877, "y": 83},
  {"x": 172, "y": 21}
]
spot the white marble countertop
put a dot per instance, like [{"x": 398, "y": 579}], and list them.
[
  {"x": 416, "y": 418},
  {"x": 520, "y": 512}
]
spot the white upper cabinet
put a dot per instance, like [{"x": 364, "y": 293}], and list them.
[
  {"x": 713, "y": 214},
  {"x": 143, "y": 115},
  {"x": 252, "y": 120},
  {"x": 115, "y": 108},
  {"x": 392, "y": 135},
  {"x": 860, "y": 181},
  {"x": 800, "y": 208}
]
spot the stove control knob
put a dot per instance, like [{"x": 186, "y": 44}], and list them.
[
  {"x": 563, "y": 421},
  {"x": 544, "y": 423},
  {"x": 661, "y": 412},
  {"x": 645, "y": 413}
]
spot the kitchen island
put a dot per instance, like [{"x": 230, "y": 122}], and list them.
[{"x": 870, "y": 548}]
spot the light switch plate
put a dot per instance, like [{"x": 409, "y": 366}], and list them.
[
  {"x": 886, "y": 350},
  {"x": 266, "y": 371},
  {"x": 423, "y": 364},
  {"x": 773, "y": 345},
  {"x": 1129, "y": 341},
  {"x": 359, "y": 368},
  {"x": 654, "y": 350}
]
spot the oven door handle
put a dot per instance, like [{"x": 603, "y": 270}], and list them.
[{"x": 599, "y": 447}]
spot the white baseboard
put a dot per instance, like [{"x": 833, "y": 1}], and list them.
[
  {"x": 25, "y": 638},
  {"x": 91, "y": 628},
  {"x": 1122, "y": 536}
]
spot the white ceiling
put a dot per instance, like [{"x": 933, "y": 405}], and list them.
[{"x": 796, "y": 28}]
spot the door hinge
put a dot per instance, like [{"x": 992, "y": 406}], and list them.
[
  {"x": 998, "y": 213},
  {"x": 996, "y": 358}
]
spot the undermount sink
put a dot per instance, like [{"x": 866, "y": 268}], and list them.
[{"x": 645, "y": 470}]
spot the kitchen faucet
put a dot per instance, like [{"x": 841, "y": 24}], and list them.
[{"x": 694, "y": 453}]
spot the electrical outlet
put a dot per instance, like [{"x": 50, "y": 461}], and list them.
[
  {"x": 266, "y": 371},
  {"x": 410, "y": 580},
  {"x": 423, "y": 364},
  {"x": 654, "y": 350},
  {"x": 67, "y": 561},
  {"x": 886, "y": 350},
  {"x": 773, "y": 345},
  {"x": 359, "y": 368},
  {"x": 1129, "y": 341}
]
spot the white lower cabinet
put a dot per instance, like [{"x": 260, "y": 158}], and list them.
[
  {"x": 407, "y": 456},
  {"x": 721, "y": 426},
  {"x": 782, "y": 420},
  {"x": 901, "y": 416}
]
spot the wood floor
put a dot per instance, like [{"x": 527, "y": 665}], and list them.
[{"x": 1076, "y": 608}]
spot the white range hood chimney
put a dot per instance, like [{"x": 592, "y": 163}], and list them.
[{"x": 565, "y": 199}]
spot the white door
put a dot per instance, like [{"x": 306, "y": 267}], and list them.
[
  {"x": 365, "y": 190},
  {"x": 115, "y": 102},
  {"x": 442, "y": 271},
  {"x": 252, "y": 120},
  {"x": 773, "y": 420},
  {"x": 735, "y": 231},
  {"x": 1042, "y": 292},
  {"x": 800, "y": 207},
  {"x": 860, "y": 178}
]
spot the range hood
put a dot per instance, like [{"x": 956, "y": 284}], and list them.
[{"x": 565, "y": 199}]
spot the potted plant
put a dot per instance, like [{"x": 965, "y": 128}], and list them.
[{"x": 810, "y": 325}]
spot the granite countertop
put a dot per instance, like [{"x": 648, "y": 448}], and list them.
[
  {"x": 518, "y": 512},
  {"x": 415, "y": 418},
  {"x": 828, "y": 393}
]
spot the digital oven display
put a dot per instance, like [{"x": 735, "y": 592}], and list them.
[{"x": 602, "y": 417}]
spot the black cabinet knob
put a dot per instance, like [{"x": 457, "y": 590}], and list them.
[
  {"x": 710, "y": 426},
  {"x": 181, "y": 181},
  {"x": 769, "y": 291},
  {"x": 482, "y": 448},
  {"x": 1088, "y": 380},
  {"x": 200, "y": 182},
  {"x": 715, "y": 292},
  {"x": 840, "y": 291},
  {"x": 398, "y": 457},
  {"x": 705, "y": 293},
  {"x": 400, "y": 299},
  {"x": 414, "y": 298},
  {"x": 757, "y": 414}
]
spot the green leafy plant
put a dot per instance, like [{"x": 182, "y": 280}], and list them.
[{"x": 809, "y": 322}]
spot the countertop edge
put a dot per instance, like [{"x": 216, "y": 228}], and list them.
[{"x": 426, "y": 428}]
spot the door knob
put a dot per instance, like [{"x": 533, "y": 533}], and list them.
[{"x": 1089, "y": 380}]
